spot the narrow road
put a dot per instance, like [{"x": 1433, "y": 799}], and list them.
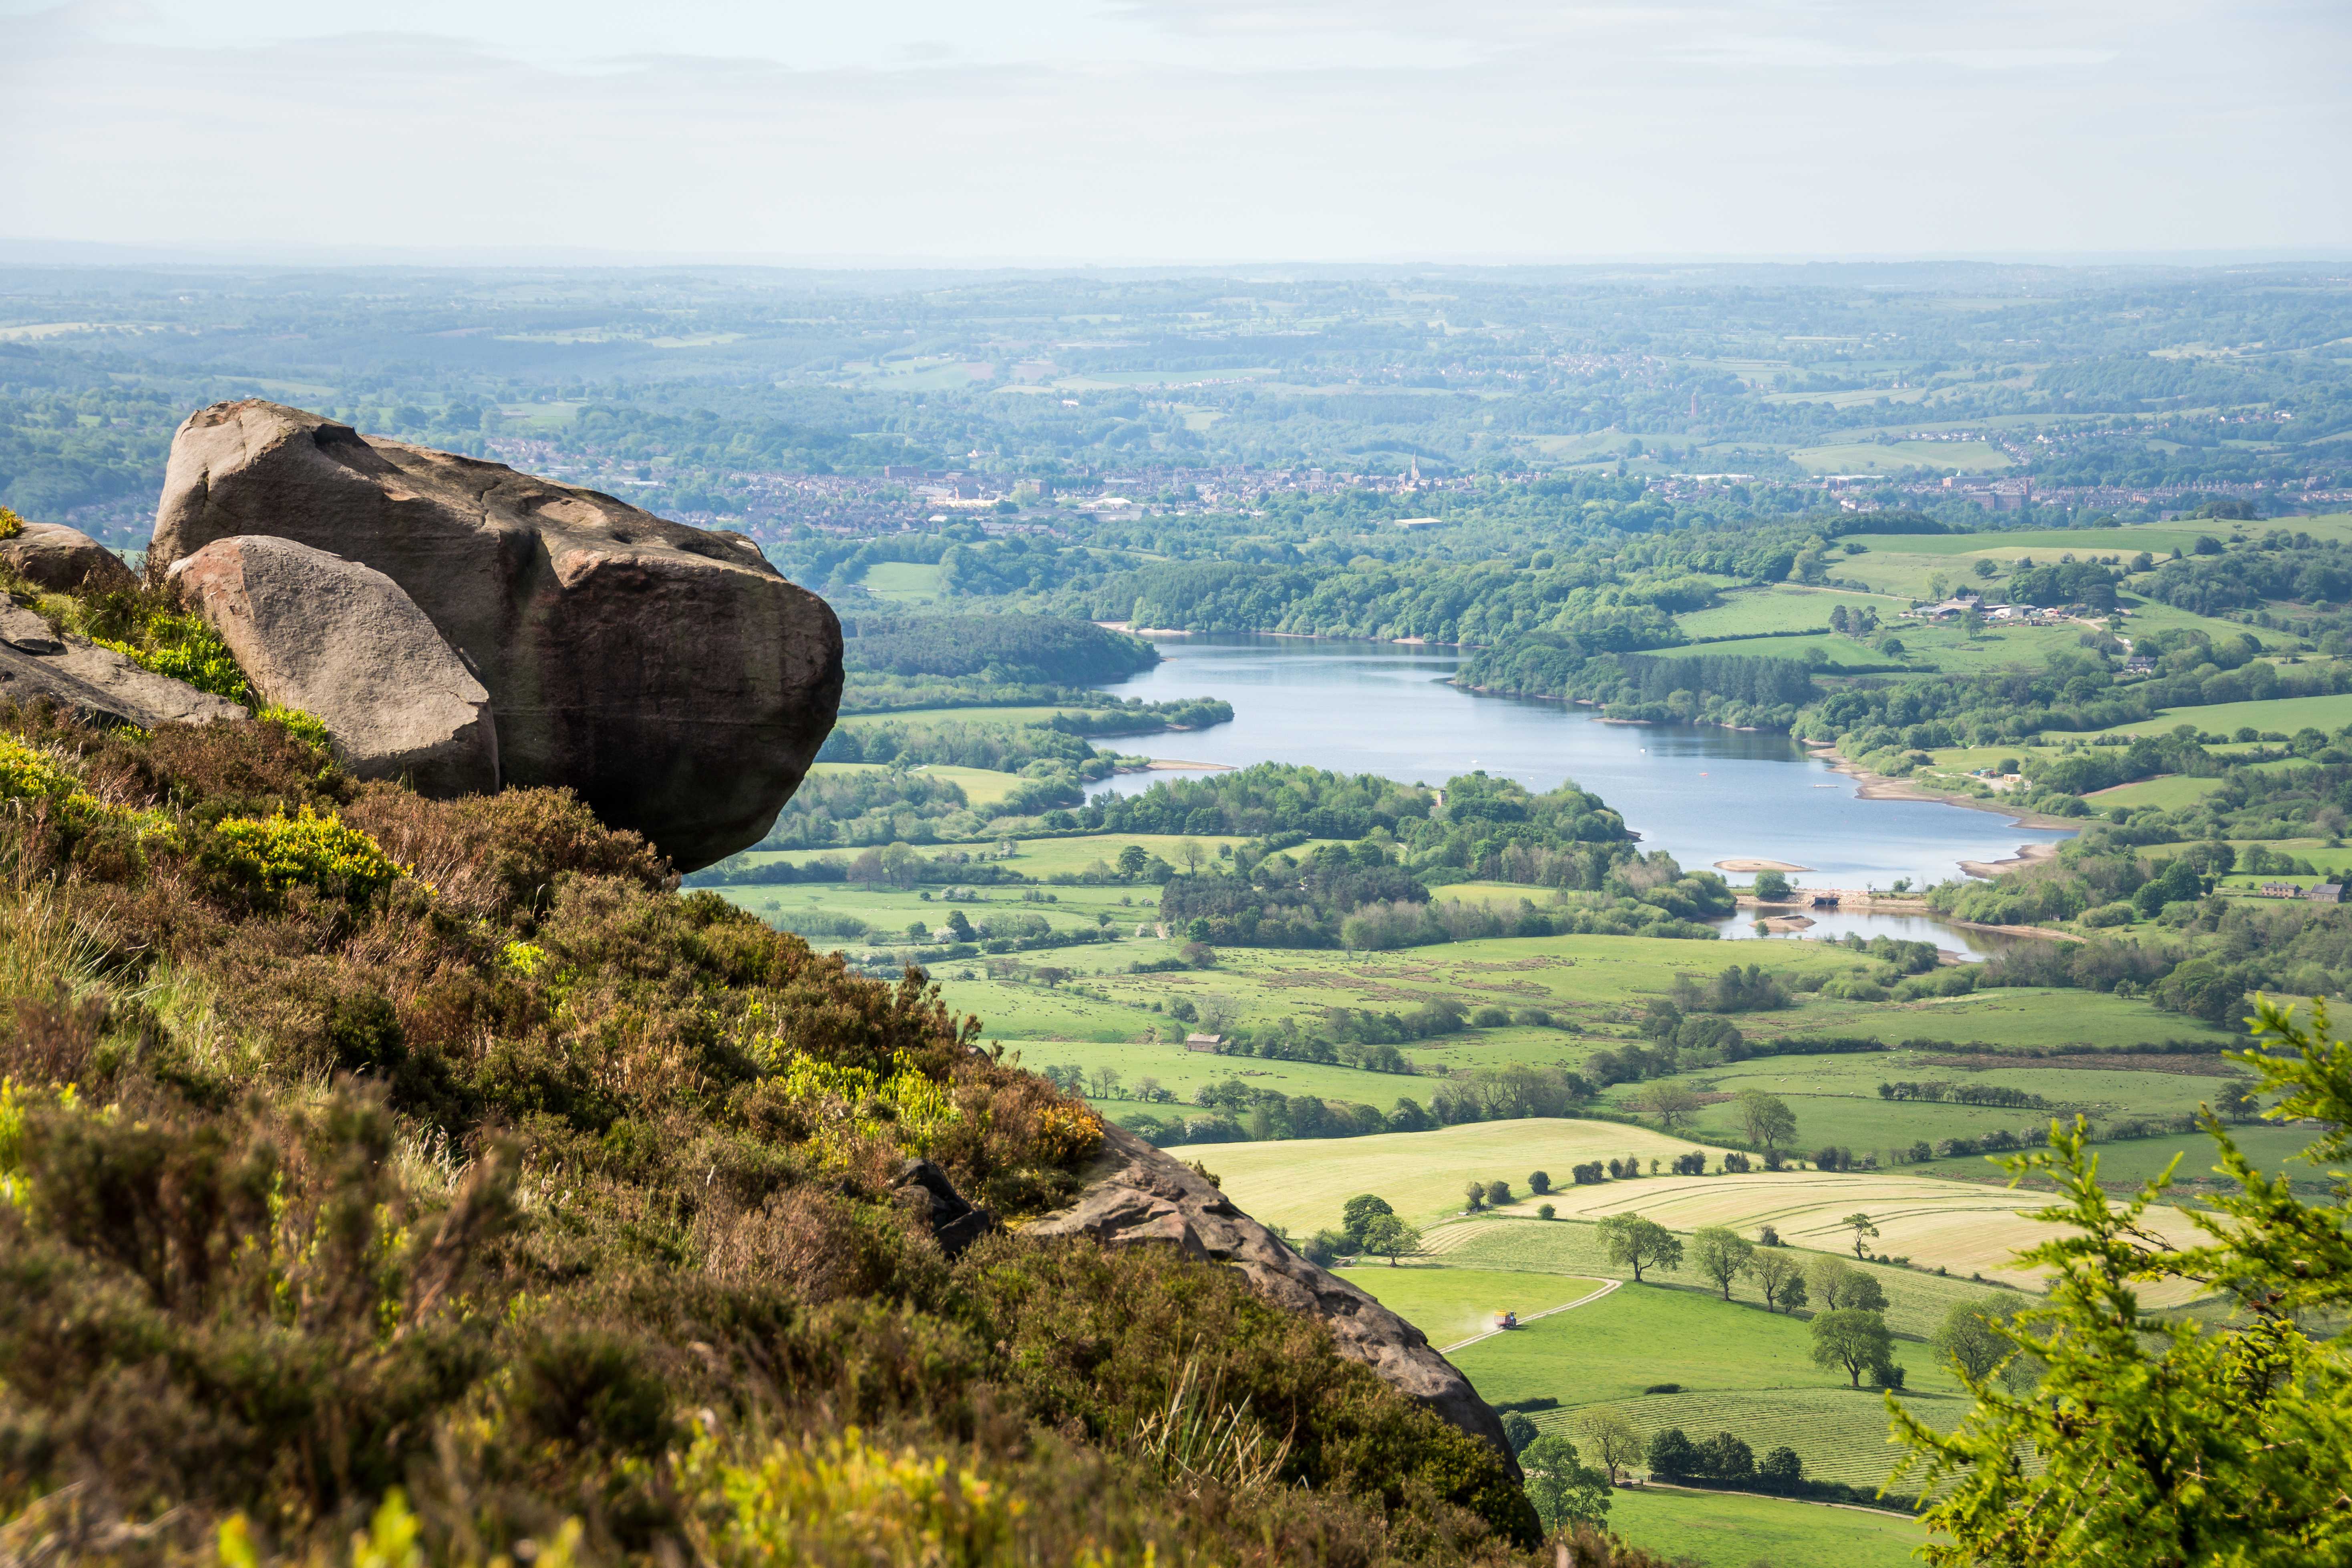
[{"x": 1606, "y": 1286}]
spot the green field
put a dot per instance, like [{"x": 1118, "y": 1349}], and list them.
[
  {"x": 1301, "y": 1182},
  {"x": 1871, "y": 457},
  {"x": 2170, "y": 793},
  {"x": 2286, "y": 714},
  {"x": 1453, "y": 1304},
  {"x": 1783, "y": 607},
  {"x": 901, "y": 582},
  {"x": 1916, "y": 1301},
  {"x": 2157, "y": 538},
  {"x": 1716, "y": 1529}
]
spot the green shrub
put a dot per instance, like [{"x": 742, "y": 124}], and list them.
[
  {"x": 184, "y": 648},
  {"x": 275, "y": 854}
]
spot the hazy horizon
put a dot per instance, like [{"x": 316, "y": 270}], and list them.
[{"x": 1138, "y": 132}]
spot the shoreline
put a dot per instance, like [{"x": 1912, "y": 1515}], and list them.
[{"x": 1878, "y": 787}]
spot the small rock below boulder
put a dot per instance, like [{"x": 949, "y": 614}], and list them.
[
  {"x": 1134, "y": 1194},
  {"x": 343, "y": 643},
  {"x": 64, "y": 560},
  {"x": 95, "y": 685},
  {"x": 955, "y": 1221}
]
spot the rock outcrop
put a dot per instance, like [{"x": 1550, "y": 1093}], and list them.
[
  {"x": 63, "y": 560},
  {"x": 343, "y": 643},
  {"x": 97, "y": 684},
  {"x": 1136, "y": 1193},
  {"x": 669, "y": 674},
  {"x": 955, "y": 1221}
]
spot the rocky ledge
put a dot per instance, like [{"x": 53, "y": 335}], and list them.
[{"x": 1134, "y": 1194}]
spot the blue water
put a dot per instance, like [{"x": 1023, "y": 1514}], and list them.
[{"x": 1701, "y": 793}]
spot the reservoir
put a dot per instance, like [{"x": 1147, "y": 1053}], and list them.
[{"x": 1700, "y": 792}]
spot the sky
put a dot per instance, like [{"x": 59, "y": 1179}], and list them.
[{"x": 1145, "y": 131}]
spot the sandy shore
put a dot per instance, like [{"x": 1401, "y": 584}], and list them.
[
  {"x": 2027, "y": 855},
  {"x": 1758, "y": 866},
  {"x": 1876, "y": 786}
]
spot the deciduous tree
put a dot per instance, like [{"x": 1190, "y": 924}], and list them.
[
  {"x": 1767, "y": 1120},
  {"x": 1721, "y": 1254},
  {"x": 1779, "y": 1275},
  {"x": 1612, "y": 1438},
  {"x": 1853, "y": 1342},
  {"x": 1629, "y": 1241}
]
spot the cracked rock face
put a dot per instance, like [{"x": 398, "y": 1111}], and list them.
[
  {"x": 668, "y": 674},
  {"x": 343, "y": 643},
  {"x": 1135, "y": 1192},
  {"x": 95, "y": 685}
]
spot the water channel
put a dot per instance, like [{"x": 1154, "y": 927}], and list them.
[{"x": 1701, "y": 793}]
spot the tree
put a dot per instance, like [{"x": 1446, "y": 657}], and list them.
[
  {"x": 1726, "y": 1457},
  {"x": 1671, "y": 1454},
  {"x": 1518, "y": 1431},
  {"x": 1546, "y": 1211},
  {"x": 1853, "y": 1341},
  {"x": 2227, "y": 1440},
  {"x": 1498, "y": 1192},
  {"x": 1721, "y": 1254},
  {"x": 1839, "y": 1286},
  {"x": 1132, "y": 861},
  {"x": 1767, "y": 1120},
  {"x": 1862, "y": 1231},
  {"x": 1191, "y": 854},
  {"x": 1781, "y": 1468},
  {"x": 1771, "y": 886},
  {"x": 1358, "y": 1213},
  {"x": 1540, "y": 1182},
  {"x": 1563, "y": 1489},
  {"x": 1106, "y": 1083},
  {"x": 960, "y": 928},
  {"x": 1779, "y": 1276},
  {"x": 1473, "y": 1196},
  {"x": 1391, "y": 1239},
  {"x": 1971, "y": 1337},
  {"x": 1631, "y": 1242},
  {"x": 1672, "y": 1104},
  {"x": 1612, "y": 1438}
]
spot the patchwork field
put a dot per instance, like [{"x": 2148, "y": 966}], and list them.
[
  {"x": 1301, "y": 1182},
  {"x": 1915, "y": 1301},
  {"x": 1962, "y": 1226},
  {"x": 1713, "y": 1530}
]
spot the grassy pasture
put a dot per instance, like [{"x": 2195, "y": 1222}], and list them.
[
  {"x": 1302, "y": 1182},
  {"x": 1718, "y": 1530},
  {"x": 1870, "y": 458},
  {"x": 2171, "y": 792},
  {"x": 1452, "y": 1304},
  {"x": 2285, "y": 713},
  {"x": 1959, "y": 1225},
  {"x": 981, "y": 786},
  {"x": 1607, "y": 1352},
  {"x": 2157, "y": 538},
  {"x": 1783, "y": 607},
  {"x": 1915, "y": 1301}
]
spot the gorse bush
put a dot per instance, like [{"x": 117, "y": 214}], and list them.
[
  {"x": 184, "y": 648},
  {"x": 279, "y": 854}
]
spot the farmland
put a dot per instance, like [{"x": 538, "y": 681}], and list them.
[{"x": 1714, "y": 1530}]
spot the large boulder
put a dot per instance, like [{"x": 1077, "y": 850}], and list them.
[
  {"x": 1135, "y": 1193},
  {"x": 669, "y": 674},
  {"x": 95, "y": 685},
  {"x": 63, "y": 560},
  {"x": 343, "y": 643}
]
